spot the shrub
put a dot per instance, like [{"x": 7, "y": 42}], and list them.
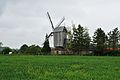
[
  {"x": 113, "y": 53},
  {"x": 6, "y": 50}
]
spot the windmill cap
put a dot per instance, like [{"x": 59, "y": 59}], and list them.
[{"x": 60, "y": 29}]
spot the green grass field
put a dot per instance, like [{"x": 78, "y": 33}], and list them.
[{"x": 59, "y": 68}]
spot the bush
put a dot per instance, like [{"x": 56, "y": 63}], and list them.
[
  {"x": 33, "y": 50},
  {"x": 113, "y": 53},
  {"x": 6, "y": 50},
  {"x": 23, "y": 48}
]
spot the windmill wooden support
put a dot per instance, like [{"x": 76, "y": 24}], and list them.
[{"x": 59, "y": 34}]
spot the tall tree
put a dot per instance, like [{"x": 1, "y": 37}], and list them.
[
  {"x": 99, "y": 40},
  {"x": 69, "y": 42},
  {"x": 114, "y": 38},
  {"x": 1, "y": 44},
  {"x": 23, "y": 48},
  {"x": 86, "y": 40},
  {"x": 81, "y": 39},
  {"x": 6, "y": 50},
  {"x": 46, "y": 48}
]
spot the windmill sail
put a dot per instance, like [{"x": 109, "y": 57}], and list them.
[
  {"x": 60, "y": 22},
  {"x": 50, "y": 34},
  {"x": 50, "y": 20},
  {"x": 59, "y": 33}
]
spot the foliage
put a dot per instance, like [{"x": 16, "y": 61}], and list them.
[
  {"x": 86, "y": 40},
  {"x": 23, "y": 48},
  {"x": 33, "y": 49},
  {"x": 6, "y": 50},
  {"x": 112, "y": 53},
  {"x": 69, "y": 41},
  {"x": 79, "y": 42},
  {"x": 81, "y": 39},
  {"x": 99, "y": 41},
  {"x": 1, "y": 44},
  {"x": 46, "y": 48},
  {"x": 15, "y": 51},
  {"x": 113, "y": 38}
]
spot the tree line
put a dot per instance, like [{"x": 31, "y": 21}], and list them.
[
  {"x": 79, "y": 43},
  {"x": 29, "y": 50},
  {"x": 100, "y": 43}
]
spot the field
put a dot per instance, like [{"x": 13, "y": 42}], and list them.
[{"x": 59, "y": 68}]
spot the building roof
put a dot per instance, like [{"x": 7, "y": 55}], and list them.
[{"x": 60, "y": 29}]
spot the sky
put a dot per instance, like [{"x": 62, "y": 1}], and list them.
[{"x": 26, "y": 22}]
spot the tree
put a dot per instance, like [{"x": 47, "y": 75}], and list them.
[
  {"x": 81, "y": 39},
  {"x": 99, "y": 40},
  {"x": 34, "y": 50},
  {"x": 1, "y": 44},
  {"x": 15, "y": 51},
  {"x": 69, "y": 42},
  {"x": 23, "y": 48},
  {"x": 46, "y": 48},
  {"x": 86, "y": 40},
  {"x": 114, "y": 38},
  {"x": 6, "y": 50}
]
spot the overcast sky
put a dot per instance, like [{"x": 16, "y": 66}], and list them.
[{"x": 25, "y": 21}]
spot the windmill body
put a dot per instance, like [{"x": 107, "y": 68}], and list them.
[{"x": 59, "y": 34}]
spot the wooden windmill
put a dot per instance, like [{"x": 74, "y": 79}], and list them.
[{"x": 59, "y": 33}]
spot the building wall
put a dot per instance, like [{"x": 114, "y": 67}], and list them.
[
  {"x": 59, "y": 39},
  {"x": 60, "y": 36},
  {"x": 64, "y": 39}
]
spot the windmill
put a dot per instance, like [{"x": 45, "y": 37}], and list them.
[{"x": 59, "y": 33}]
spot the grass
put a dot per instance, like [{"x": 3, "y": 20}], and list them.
[{"x": 59, "y": 68}]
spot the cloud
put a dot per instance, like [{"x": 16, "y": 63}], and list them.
[
  {"x": 25, "y": 21},
  {"x": 2, "y": 6}
]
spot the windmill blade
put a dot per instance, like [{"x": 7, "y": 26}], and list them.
[
  {"x": 50, "y": 34},
  {"x": 50, "y": 20},
  {"x": 47, "y": 37},
  {"x": 60, "y": 22}
]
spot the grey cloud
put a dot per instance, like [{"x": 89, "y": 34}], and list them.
[
  {"x": 2, "y": 6},
  {"x": 25, "y": 21}
]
